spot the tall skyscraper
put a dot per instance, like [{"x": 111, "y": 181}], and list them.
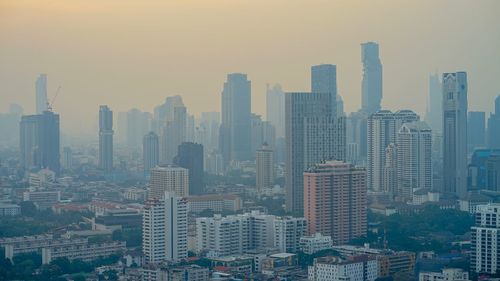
[
  {"x": 39, "y": 141},
  {"x": 414, "y": 159},
  {"x": 150, "y": 152},
  {"x": 476, "y": 130},
  {"x": 164, "y": 229},
  {"x": 265, "y": 168},
  {"x": 275, "y": 109},
  {"x": 235, "y": 139},
  {"x": 210, "y": 124},
  {"x": 335, "y": 200},
  {"x": 356, "y": 137},
  {"x": 41, "y": 93},
  {"x": 168, "y": 179},
  {"x": 324, "y": 80},
  {"x": 455, "y": 133},
  {"x": 485, "y": 234},
  {"x": 138, "y": 124},
  {"x": 371, "y": 87},
  {"x": 262, "y": 132},
  {"x": 172, "y": 118},
  {"x": 312, "y": 135},
  {"x": 382, "y": 131},
  {"x": 434, "y": 114},
  {"x": 494, "y": 126},
  {"x": 190, "y": 157},
  {"x": 105, "y": 139}
]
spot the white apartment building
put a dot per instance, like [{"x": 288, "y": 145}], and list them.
[
  {"x": 42, "y": 199},
  {"x": 447, "y": 274},
  {"x": 315, "y": 243},
  {"x": 485, "y": 234},
  {"x": 361, "y": 268},
  {"x": 288, "y": 231},
  {"x": 233, "y": 235},
  {"x": 164, "y": 229}
]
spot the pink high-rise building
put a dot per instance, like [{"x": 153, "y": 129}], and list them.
[{"x": 335, "y": 200}]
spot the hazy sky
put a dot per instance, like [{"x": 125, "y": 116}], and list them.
[{"x": 128, "y": 53}]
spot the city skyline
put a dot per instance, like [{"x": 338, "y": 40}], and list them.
[{"x": 97, "y": 79}]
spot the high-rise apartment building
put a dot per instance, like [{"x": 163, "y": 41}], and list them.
[
  {"x": 414, "y": 159},
  {"x": 41, "y": 94},
  {"x": 39, "y": 141},
  {"x": 67, "y": 158},
  {"x": 164, "y": 229},
  {"x": 235, "y": 129},
  {"x": 476, "y": 130},
  {"x": 288, "y": 231},
  {"x": 382, "y": 131},
  {"x": 485, "y": 236},
  {"x": 335, "y": 200},
  {"x": 105, "y": 139},
  {"x": 169, "y": 179},
  {"x": 190, "y": 157},
  {"x": 455, "y": 133},
  {"x": 371, "y": 87},
  {"x": 275, "y": 109},
  {"x": 434, "y": 113},
  {"x": 265, "y": 168},
  {"x": 312, "y": 135},
  {"x": 150, "y": 152},
  {"x": 236, "y": 234},
  {"x": 324, "y": 80}
]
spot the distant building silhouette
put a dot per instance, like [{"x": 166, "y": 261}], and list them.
[
  {"x": 476, "y": 130},
  {"x": 275, "y": 109},
  {"x": 371, "y": 86},
  {"x": 455, "y": 133},
  {"x": 434, "y": 113},
  {"x": 39, "y": 141},
  {"x": 235, "y": 138},
  {"x": 150, "y": 152},
  {"x": 41, "y": 93},
  {"x": 324, "y": 80},
  {"x": 105, "y": 139},
  {"x": 190, "y": 157},
  {"x": 494, "y": 126}
]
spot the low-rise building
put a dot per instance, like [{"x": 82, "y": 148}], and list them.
[
  {"x": 356, "y": 268},
  {"x": 85, "y": 252},
  {"x": 389, "y": 262},
  {"x": 447, "y": 274},
  {"x": 14, "y": 249},
  {"x": 42, "y": 199},
  {"x": 315, "y": 243},
  {"x": 9, "y": 210},
  {"x": 216, "y": 203}
]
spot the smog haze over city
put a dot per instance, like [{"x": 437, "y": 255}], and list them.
[{"x": 197, "y": 140}]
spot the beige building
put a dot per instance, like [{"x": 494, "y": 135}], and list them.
[
  {"x": 335, "y": 200},
  {"x": 169, "y": 179}
]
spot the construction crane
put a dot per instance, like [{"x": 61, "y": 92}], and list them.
[{"x": 49, "y": 104}]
